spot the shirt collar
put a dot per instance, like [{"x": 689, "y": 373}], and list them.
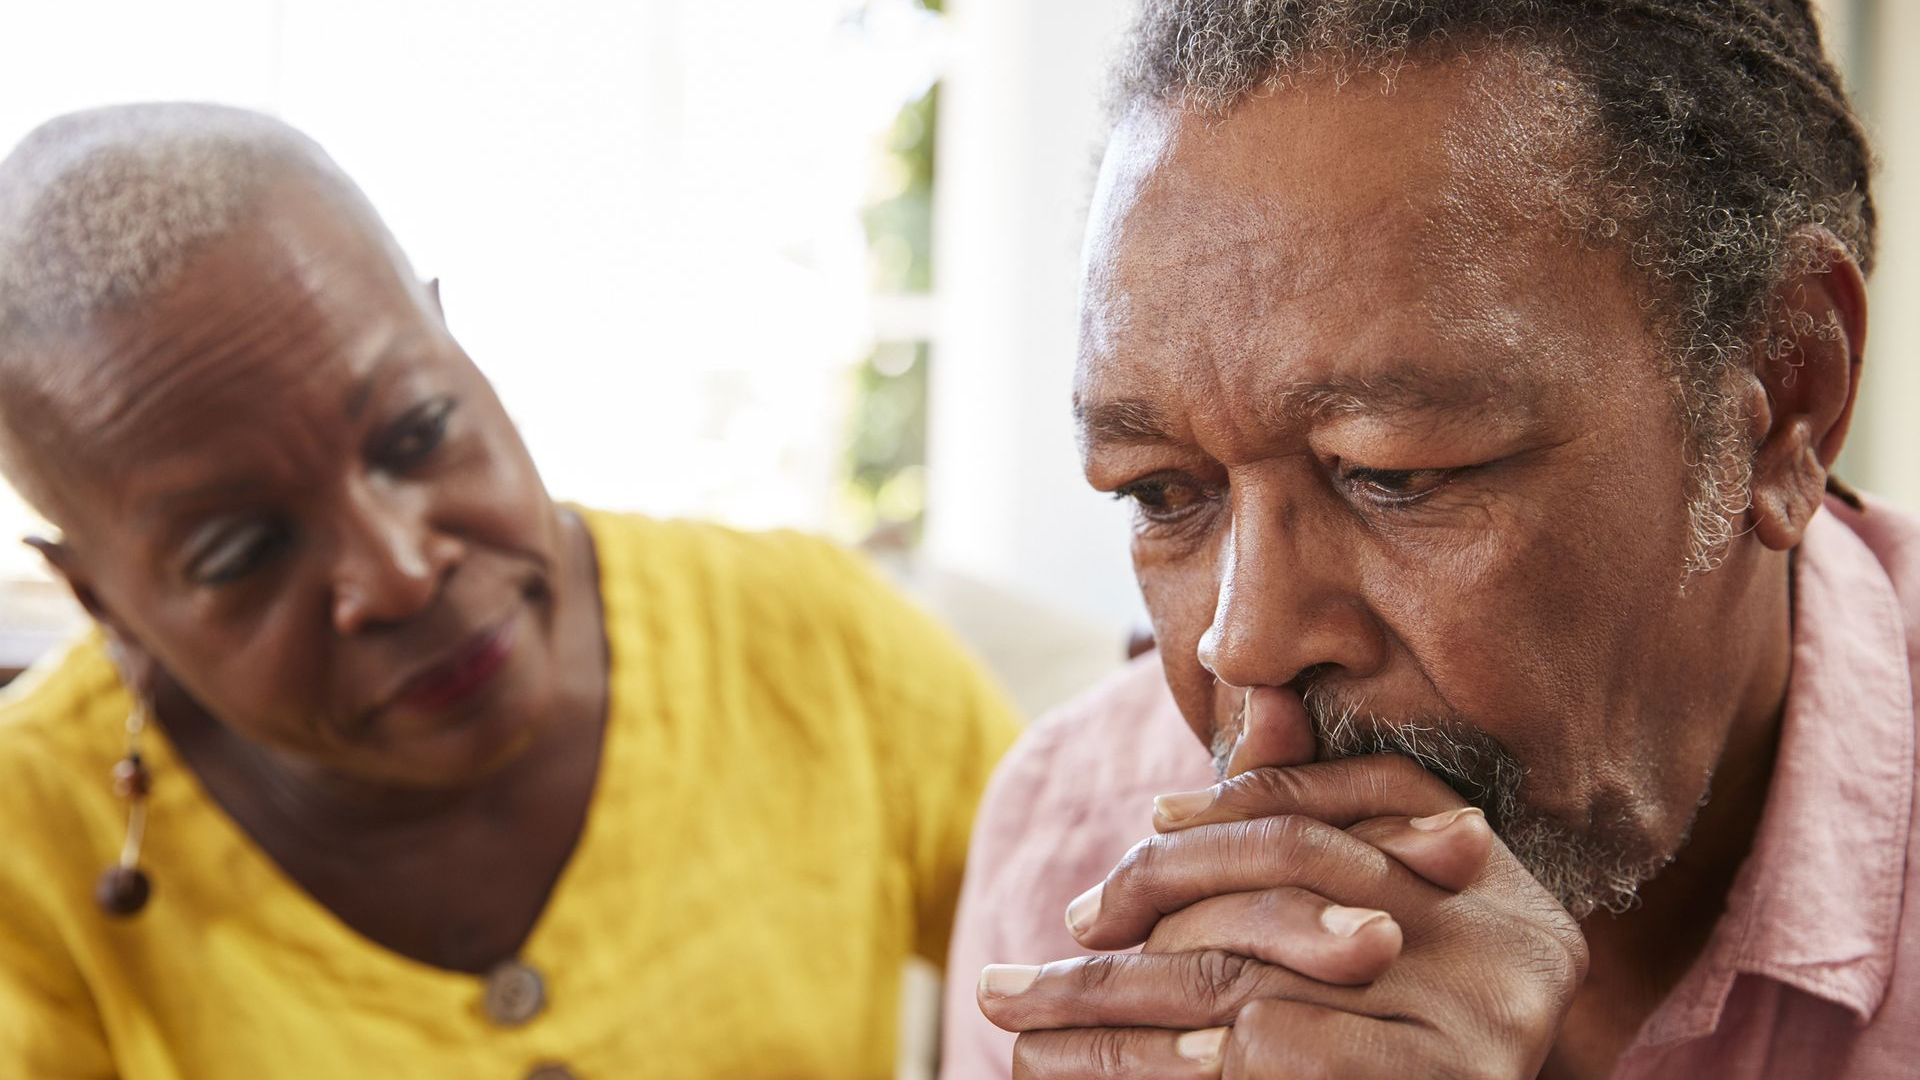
[{"x": 1817, "y": 902}]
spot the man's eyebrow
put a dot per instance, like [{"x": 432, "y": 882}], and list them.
[
  {"x": 1134, "y": 421},
  {"x": 1124, "y": 420},
  {"x": 1391, "y": 393}
]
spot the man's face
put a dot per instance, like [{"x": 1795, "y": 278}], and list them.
[
  {"x": 1395, "y": 440},
  {"x": 289, "y": 487}
]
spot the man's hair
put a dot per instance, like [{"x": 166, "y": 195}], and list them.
[
  {"x": 1717, "y": 137},
  {"x": 103, "y": 209}
]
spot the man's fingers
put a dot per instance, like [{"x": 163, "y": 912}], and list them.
[
  {"x": 1165, "y": 873},
  {"x": 1283, "y": 1040},
  {"x": 1184, "y": 991},
  {"x": 1450, "y": 849},
  {"x": 1291, "y": 928},
  {"x": 1119, "y": 1054},
  {"x": 1337, "y": 792}
]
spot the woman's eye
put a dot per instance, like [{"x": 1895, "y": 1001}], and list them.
[
  {"x": 416, "y": 436},
  {"x": 1396, "y": 487},
  {"x": 229, "y": 552},
  {"x": 1162, "y": 498}
]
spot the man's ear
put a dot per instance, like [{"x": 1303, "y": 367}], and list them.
[
  {"x": 1808, "y": 375},
  {"x": 138, "y": 668}
]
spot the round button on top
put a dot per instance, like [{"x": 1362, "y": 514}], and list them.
[
  {"x": 550, "y": 1072},
  {"x": 515, "y": 994}
]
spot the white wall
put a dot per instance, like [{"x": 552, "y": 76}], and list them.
[
  {"x": 1885, "y": 452},
  {"x": 1019, "y": 139}
]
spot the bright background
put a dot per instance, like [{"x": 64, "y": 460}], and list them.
[{"x": 738, "y": 259}]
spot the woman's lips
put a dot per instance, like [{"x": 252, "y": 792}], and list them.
[{"x": 460, "y": 676}]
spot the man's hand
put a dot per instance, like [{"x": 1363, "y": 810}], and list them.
[{"x": 1299, "y": 922}]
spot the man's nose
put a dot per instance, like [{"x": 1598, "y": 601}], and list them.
[
  {"x": 391, "y": 562},
  {"x": 1286, "y": 600}
]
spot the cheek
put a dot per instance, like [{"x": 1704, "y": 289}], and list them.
[
  {"x": 1540, "y": 627},
  {"x": 1180, "y": 595},
  {"x": 493, "y": 492},
  {"x": 264, "y": 676}
]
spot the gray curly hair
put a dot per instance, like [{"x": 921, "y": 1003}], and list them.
[{"x": 1718, "y": 137}]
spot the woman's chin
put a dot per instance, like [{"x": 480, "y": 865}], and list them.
[{"x": 458, "y": 749}]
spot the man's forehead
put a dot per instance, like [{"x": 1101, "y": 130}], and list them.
[
  {"x": 1120, "y": 410},
  {"x": 1338, "y": 241},
  {"x": 1313, "y": 150}
]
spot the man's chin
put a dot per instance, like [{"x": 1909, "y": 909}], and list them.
[{"x": 1586, "y": 873}]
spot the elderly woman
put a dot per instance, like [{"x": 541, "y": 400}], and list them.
[{"x": 380, "y": 763}]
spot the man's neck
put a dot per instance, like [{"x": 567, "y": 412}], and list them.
[{"x": 1640, "y": 956}]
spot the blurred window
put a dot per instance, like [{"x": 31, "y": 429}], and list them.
[{"x": 689, "y": 240}]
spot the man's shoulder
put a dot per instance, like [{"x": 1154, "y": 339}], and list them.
[
  {"x": 1084, "y": 775},
  {"x": 1892, "y": 535},
  {"x": 1122, "y": 737}
]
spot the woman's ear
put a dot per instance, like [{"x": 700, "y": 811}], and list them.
[
  {"x": 138, "y": 668},
  {"x": 1809, "y": 372}
]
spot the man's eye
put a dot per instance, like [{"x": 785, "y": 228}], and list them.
[
  {"x": 415, "y": 437},
  {"x": 1395, "y": 487},
  {"x": 1163, "y": 498},
  {"x": 228, "y": 552}
]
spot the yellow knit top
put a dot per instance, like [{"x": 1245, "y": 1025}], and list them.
[{"x": 791, "y": 762}]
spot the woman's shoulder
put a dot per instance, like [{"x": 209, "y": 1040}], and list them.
[
  {"x": 677, "y": 545},
  {"x": 698, "y": 570},
  {"x": 62, "y": 726},
  {"x": 61, "y": 713},
  {"x": 777, "y": 601}
]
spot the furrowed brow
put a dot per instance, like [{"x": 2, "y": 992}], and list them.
[
  {"x": 1125, "y": 420},
  {"x": 1394, "y": 393}
]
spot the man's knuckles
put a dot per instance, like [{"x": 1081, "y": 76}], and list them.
[
  {"x": 1166, "y": 873},
  {"x": 1188, "y": 990},
  {"x": 1290, "y": 928},
  {"x": 1452, "y": 856},
  {"x": 1116, "y": 1053},
  {"x": 1339, "y": 792}
]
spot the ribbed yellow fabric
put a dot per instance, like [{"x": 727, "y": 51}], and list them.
[{"x": 792, "y": 759}]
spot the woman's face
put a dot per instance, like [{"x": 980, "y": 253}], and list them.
[{"x": 288, "y": 490}]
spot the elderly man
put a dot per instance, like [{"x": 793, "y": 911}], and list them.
[{"x": 1475, "y": 369}]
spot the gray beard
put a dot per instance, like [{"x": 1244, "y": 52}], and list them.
[{"x": 1586, "y": 870}]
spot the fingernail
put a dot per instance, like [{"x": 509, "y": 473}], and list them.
[
  {"x": 1348, "y": 921},
  {"x": 1006, "y": 980},
  {"x": 1181, "y": 805},
  {"x": 1436, "y": 822},
  {"x": 1084, "y": 909},
  {"x": 1201, "y": 1047}
]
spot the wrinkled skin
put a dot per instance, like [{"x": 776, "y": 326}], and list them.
[
  {"x": 1390, "y": 430},
  {"x": 286, "y": 493}
]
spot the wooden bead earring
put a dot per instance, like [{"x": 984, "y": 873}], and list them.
[{"x": 124, "y": 888}]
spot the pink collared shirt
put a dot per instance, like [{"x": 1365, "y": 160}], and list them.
[{"x": 1814, "y": 969}]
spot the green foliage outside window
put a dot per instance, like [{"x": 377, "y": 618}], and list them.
[{"x": 885, "y": 489}]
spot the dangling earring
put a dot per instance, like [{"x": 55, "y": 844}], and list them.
[{"x": 124, "y": 888}]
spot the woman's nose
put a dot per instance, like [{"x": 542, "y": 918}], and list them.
[{"x": 391, "y": 566}]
